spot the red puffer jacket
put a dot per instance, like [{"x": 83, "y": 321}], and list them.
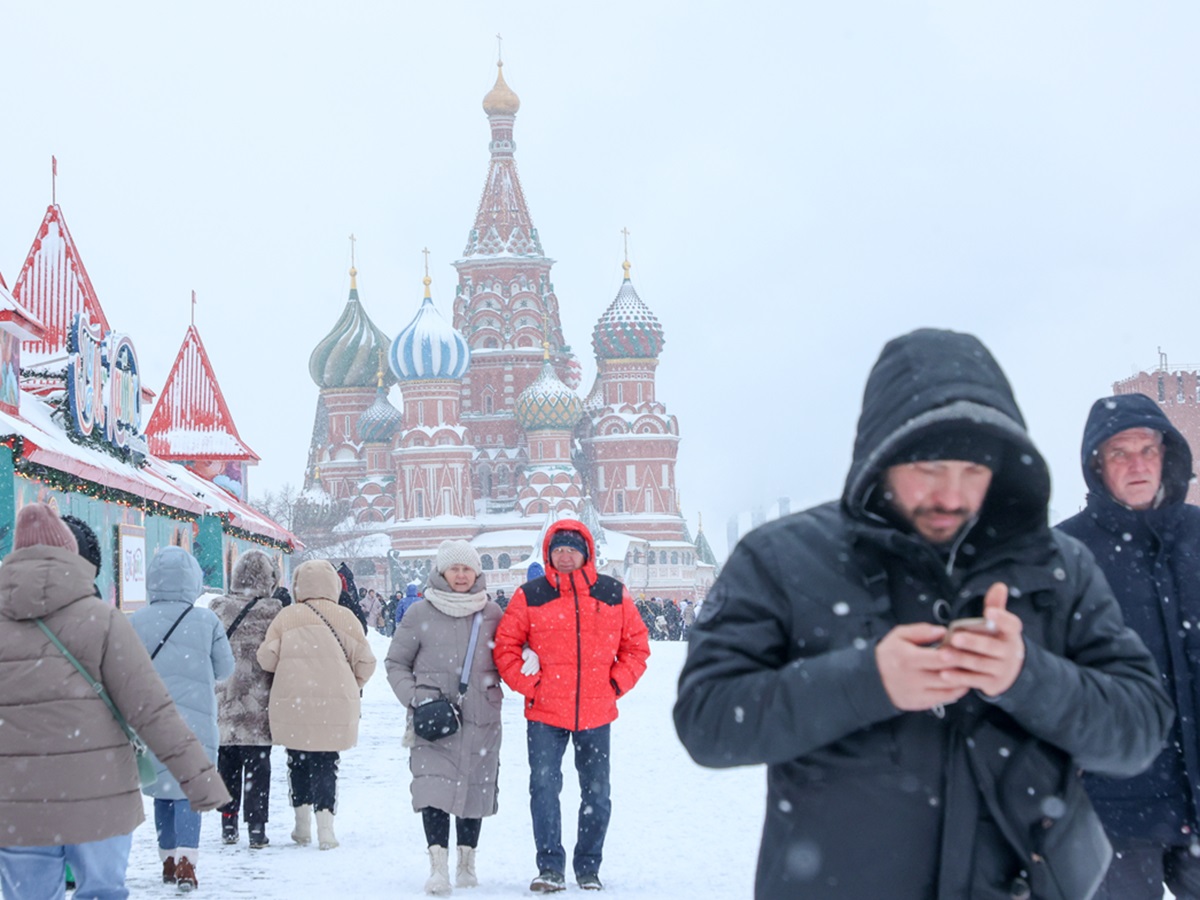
[{"x": 589, "y": 638}]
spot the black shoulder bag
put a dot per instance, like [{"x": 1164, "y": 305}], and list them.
[
  {"x": 439, "y": 716},
  {"x": 238, "y": 621},
  {"x": 170, "y": 631}
]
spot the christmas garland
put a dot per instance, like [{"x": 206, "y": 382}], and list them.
[
  {"x": 73, "y": 484},
  {"x": 242, "y": 534}
]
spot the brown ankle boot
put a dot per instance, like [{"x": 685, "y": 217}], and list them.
[
  {"x": 169, "y": 870},
  {"x": 185, "y": 874}
]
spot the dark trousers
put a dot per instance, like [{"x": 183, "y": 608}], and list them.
[
  {"x": 437, "y": 828},
  {"x": 1139, "y": 871},
  {"x": 246, "y": 771},
  {"x": 312, "y": 778},
  {"x": 546, "y": 745}
]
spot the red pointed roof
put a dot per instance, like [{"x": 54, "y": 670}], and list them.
[
  {"x": 53, "y": 286},
  {"x": 191, "y": 419}
]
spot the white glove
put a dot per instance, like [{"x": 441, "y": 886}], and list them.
[{"x": 532, "y": 664}]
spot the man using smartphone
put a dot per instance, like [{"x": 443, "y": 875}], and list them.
[{"x": 901, "y": 766}]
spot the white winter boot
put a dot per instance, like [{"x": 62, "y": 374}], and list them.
[
  {"x": 302, "y": 833},
  {"x": 439, "y": 872},
  {"x": 325, "y": 837},
  {"x": 465, "y": 876}
]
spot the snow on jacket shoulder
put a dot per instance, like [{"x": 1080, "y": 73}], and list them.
[
  {"x": 591, "y": 643},
  {"x": 319, "y": 670},
  {"x": 67, "y": 772}
]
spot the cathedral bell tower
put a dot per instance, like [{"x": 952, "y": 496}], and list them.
[{"x": 506, "y": 307}]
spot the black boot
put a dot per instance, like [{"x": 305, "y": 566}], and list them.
[
  {"x": 258, "y": 835},
  {"x": 229, "y": 828}
]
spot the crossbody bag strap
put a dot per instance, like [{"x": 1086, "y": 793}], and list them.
[
  {"x": 466, "y": 669},
  {"x": 238, "y": 621},
  {"x": 170, "y": 631},
  {"x": 96, "y": 685},
  {"x": 334, "y": 632}
]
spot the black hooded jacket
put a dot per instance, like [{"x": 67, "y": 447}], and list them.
[
  {"x": 1151, "y": 559},
  {"x": 865, "y": 801}
]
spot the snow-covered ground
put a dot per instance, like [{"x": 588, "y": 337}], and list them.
[{"x": 677, "y": 830}]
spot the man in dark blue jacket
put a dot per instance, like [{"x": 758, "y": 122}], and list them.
[
  {"x": 908, "y": 760},
  {"x": 1146, "y": 539}
]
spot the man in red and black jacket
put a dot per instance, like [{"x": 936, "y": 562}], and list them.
[{"x": 589, "y": 646}]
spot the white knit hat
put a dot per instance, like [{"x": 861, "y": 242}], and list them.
[{"x": 451, "y": 552}]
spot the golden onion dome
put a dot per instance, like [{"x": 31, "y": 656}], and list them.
[{"x": 500, "y": 100}]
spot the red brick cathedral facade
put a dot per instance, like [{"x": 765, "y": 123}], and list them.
[{"x": 493, "y": 443}]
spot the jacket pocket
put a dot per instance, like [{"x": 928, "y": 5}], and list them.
[
  {"x": 1044, "y": 804},
  {"x": 495, "y": 695}
]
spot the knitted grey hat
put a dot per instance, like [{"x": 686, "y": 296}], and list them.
[{"x": 451, "y": 552}]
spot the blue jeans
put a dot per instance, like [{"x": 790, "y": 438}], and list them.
[
  {"x": 177, "y": 825},
  {"x": 39, "y": 873},
  {"x": 547, "y": 745}
]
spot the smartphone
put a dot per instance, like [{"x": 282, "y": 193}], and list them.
[{"x": 978, "y": 624}]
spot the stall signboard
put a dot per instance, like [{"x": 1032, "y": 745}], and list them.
[
  {"x": 104, "y": 391},
  {"x": 10, "y": 368},
  {"x": 131, "y": 556}
]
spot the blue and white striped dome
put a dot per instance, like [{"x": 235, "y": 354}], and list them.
[{"x": 429, "y": 347}]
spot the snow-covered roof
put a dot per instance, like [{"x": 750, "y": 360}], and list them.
[
  {"x": 429, "y": 347},
  {"x": 46, "y": 443},
  {"x": 360, "y": 546},
  {"x": 53, "y": 286},
  {"x": 191, "y": 419},
  {"x": 510, "y": 537},
  {"x": 15, "y": 318}
]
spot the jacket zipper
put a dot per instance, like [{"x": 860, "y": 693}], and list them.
[{"x": 578, "y": 650}]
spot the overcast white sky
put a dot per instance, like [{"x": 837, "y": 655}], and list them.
[{"x": 802, "y": 182}]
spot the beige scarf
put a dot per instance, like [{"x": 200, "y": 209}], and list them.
[{"x": 446, "y": 600}]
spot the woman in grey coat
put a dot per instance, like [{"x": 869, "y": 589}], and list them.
[
  {"x": 455, "y": 775},
  {"x": 191, "y": 653}
]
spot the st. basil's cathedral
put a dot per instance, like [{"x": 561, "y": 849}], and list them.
[{"x": 493, "y": 442}]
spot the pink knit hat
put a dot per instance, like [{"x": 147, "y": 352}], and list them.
[{"x": 37, "y": 524}]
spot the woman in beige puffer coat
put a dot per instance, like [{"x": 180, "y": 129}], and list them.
[
  {"x": 321, "y": 660},
  {"x": 69, "y": 790}
]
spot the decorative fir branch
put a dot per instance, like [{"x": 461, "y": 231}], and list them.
[
  {"x": 67, "y": 483},
  {"x": 60, "y": 412}
]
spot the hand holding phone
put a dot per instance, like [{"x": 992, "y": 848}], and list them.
[{"x": 977, "y": 624}]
